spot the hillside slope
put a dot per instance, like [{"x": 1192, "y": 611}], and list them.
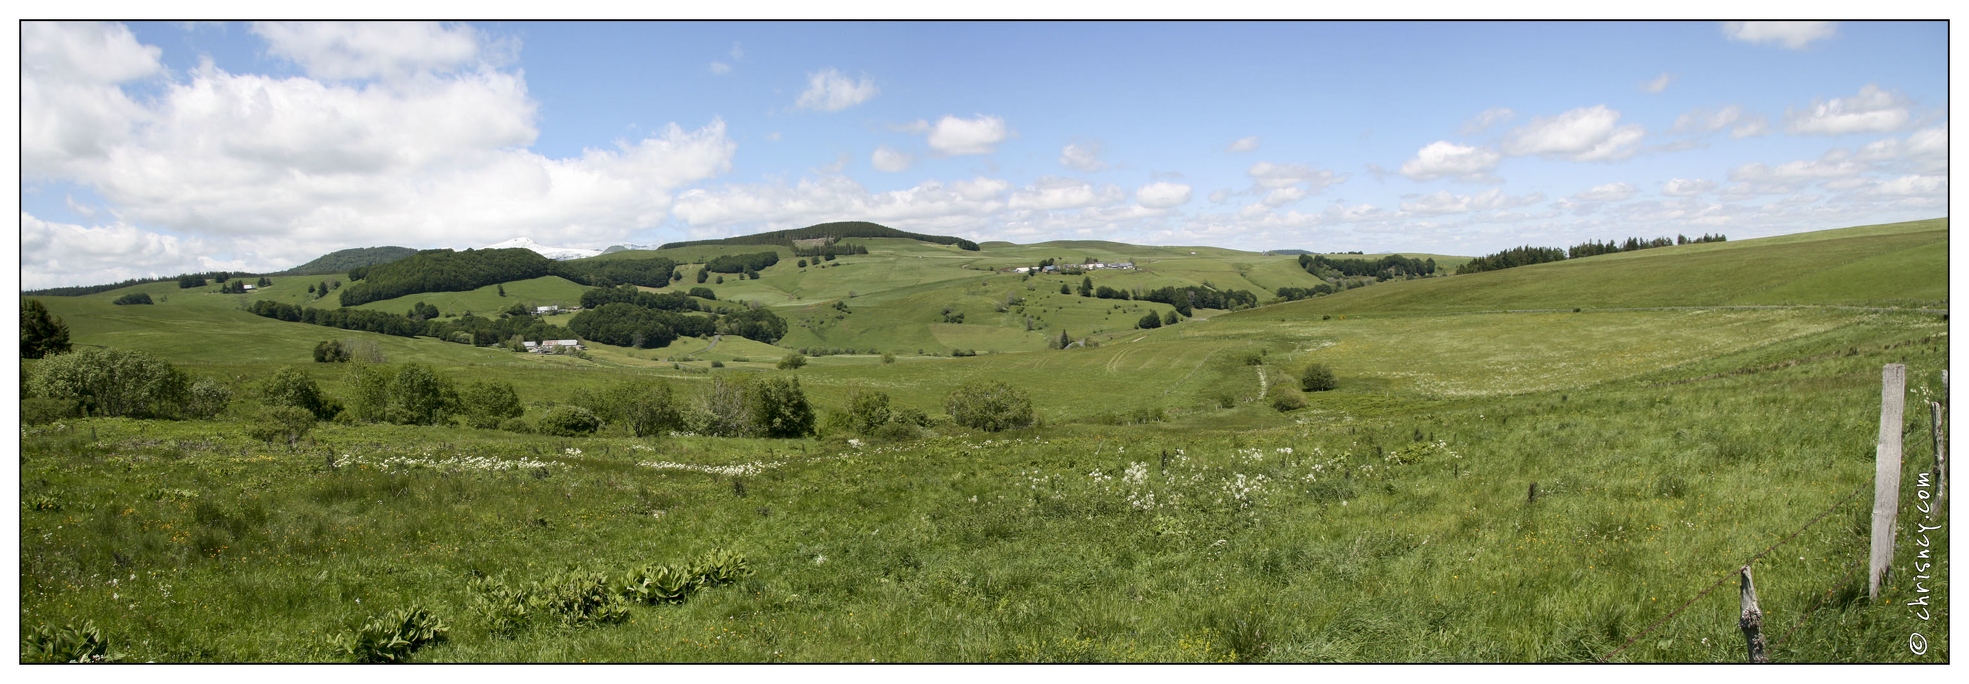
[{"x": 1901, "y": 265}]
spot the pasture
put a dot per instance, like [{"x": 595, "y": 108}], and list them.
[{"x": 1694, "y": 411}]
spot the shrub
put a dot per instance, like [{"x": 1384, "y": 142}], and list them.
[
  {"x": 780, "y": 408},
  {"x": 1170, "y": 318},
  {"x": 207, "y": 398},
  {"x": 42, "y": 334},
  {"x": 66, "y": 644},
  {"x": 393, "y": 637},
  {"x": 273, "y": 423},
  {"x": 1317, "y": 378},
  {"x": 331, "y": 351},
  {"x": 518, "y": 425},
  {"x": 112, "y": 382},
  {"x": 717, "y": 364},
  {"x": 486, "y": 403},
  {"x": 896, "y": 432},
  {"x": 133, "y": 298},
  {"x": 647, "y": 408},
  {"x": 1149, "y": 320},
  {"x": 792, "y": 361},
  {"x": 909, "y": 415},
  {"x": 369, "y": 391},
  {"x": 888, "y": 357},
  {"x": 990, "y": 406},
  {"x": 721, "y": 410},
  {"x": 1286, "y": 399},
  {"x": 291, "y": 387},
  {"x": 419, "y": 397},
  {"x": 569, "y": 421},
  {"x": 867, "y": 410}
]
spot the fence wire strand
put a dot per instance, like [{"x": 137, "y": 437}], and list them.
[{"x": 1725, "y": 578}]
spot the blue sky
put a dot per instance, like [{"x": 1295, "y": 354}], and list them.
[{"x": 158, "y": 148}]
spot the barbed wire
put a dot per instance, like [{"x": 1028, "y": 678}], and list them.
[{"x": 1726, "y": 577}]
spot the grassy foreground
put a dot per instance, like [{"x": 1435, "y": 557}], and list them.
[{"x": 1315, "y": 540}]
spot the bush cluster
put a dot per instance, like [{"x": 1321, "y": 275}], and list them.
[
  {"x": 1317, "y": 378},
  {"x": 990, "y": 406}
]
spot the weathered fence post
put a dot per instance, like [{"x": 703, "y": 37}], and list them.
[
  {"x": 1886, "y": 475},
  {"x": 1751, "y": 620},
  {"x": 1941, "y": 454}
]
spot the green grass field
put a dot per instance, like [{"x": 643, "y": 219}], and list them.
[{"x": 1706, "y": 401}]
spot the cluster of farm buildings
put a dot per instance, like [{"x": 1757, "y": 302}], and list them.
[{"x": 1093, "y": 266}]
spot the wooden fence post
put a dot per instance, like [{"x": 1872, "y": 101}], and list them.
[
  {"x": 1751, "y": 620},
  {"x": 1941, "y": 454},
  {"x": 1886, "y": 475}
]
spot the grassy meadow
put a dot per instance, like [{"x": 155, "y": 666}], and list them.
[{"x": 1702, "y": 403}]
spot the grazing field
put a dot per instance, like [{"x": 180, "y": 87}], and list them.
[{"x": 1496, "y": 478}]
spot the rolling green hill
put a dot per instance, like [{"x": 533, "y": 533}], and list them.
[
  {"x": 836, "y": 230},
  {"x": 1903, "y": 264},
  {"x": 343, "y": 260}
]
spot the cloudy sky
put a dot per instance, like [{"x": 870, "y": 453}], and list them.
[{"x": 159, "y": 148}]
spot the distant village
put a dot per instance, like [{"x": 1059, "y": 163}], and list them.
[{"x": 1074, "y": 268}]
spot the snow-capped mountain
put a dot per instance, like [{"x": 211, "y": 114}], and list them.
[
  {"x": 627, "y": 246},
  {"x": 555, "y": 253}
]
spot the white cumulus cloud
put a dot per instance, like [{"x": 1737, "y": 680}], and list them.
[
  {"x": 72, "y": 106},
  {"x": 1658, "y": 83},
  {"x": 1444, "y": 159},
  {"x": 1052, "y": 192},
  {"x": 1082, "y": 156},
  {"x": 272, "y": 171},
  {"x": 371, "y": 49},
  {"x": 1445, "y": 202},
  {"x": 951, "y": 135},
  {"x": 1914, "y": 186},
  {"x": 930, "y": 206},
  {"x": 1611, "y": 192},
  {"x": 1925, "y": 150},
  {"x": 1275, "y": 176},
  {"x": 52, "y": 254},
  {"x": 1583, "y": 134},
  {"x": 830, "y": 90},
  {"x": 1685, "y": 187},
  {"x": 1871, "y": 111},
  {"x": 1792, "y": 34},
  {"x": 890, "y": 160},
  {"x": 1742, "y": 124},
  {"x": 1485, "y": 119},
  {"x": 1162, "y": 195},
  {"x": 1246, "y": 144}
]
